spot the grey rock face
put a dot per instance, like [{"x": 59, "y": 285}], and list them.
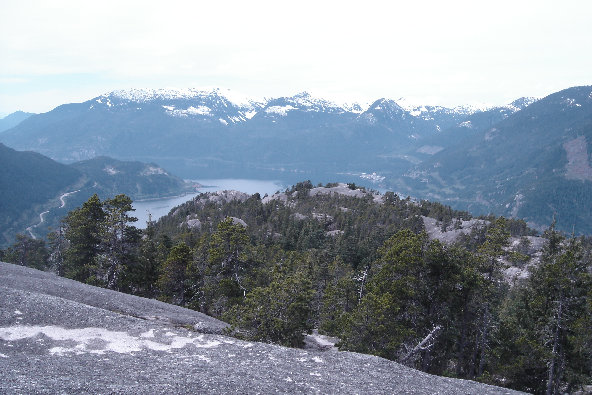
[{"x": 60, "y": 336}]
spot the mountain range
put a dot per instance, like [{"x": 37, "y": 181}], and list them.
[{"x": 527, "y": 159}]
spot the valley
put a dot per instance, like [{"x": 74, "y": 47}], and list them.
[{"x": 476, "y": 159}]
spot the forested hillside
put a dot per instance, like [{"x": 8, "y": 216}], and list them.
[
  {"x": 491, "y": 302},
  {"x": 36, "y": 192},
  {"x": 28, "y": 180},
  {"x": 528, "y": 159},
  {"x": 533, "y": 164}
]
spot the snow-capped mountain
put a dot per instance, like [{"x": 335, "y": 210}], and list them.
[
  {"x": 416, "y": 121},
  {"x": 212, "y": 105},
  {"x": 147, "y": 124},
  {"x": 304, "y": 102},
  {"x": 216, "y": 133}
]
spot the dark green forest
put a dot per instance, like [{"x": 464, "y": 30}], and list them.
[{"x": 358, "y": 266}]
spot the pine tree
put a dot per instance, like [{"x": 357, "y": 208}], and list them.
[
  {"x": 545, "y": 330},
  {"x": 27, "y": 251},
  {"x": 172, "y": 280},
  {"x": 277, "y": 313},
  {"x": 84, "y": 229},
  {"x": 120, "y": 240}
]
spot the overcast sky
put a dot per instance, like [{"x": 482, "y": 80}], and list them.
[{"x": 437, "y": 52}]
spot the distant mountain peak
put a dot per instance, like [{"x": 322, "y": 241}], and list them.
[
  {"x": 387, "y": 105},
  {"x": 521, "y": 103},
  {"x": 11, "y": 120},
  {"x": 307, "y": 102},
  {"x": 145, "y": 95}
]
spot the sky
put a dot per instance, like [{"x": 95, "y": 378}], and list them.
[{"x": 436, "y": 52}]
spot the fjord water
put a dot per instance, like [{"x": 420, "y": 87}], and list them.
[{"x": 159, "y": 207}]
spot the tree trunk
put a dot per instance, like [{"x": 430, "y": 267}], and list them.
[
  {"x": 462, "y": 344},
  {"x": 551, "y": 372},
  {"x": 484, "y": 341}
]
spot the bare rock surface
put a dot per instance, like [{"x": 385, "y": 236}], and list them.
[
  {"x": 60, "y": 336},
  {"x": 449, "y": 236}
]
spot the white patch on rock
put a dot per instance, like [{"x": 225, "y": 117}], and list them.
[
  {"x": 333, "y": 233},
  {"x": 238, "y": 221},
  {"x": 111, "y": 170},
  {"x": 221, "y": 197},
  {"x": 194, "y": 223},
  {"x": 491, "y": 134},
  {"x": 578, "y": 160},
  {"x": 434, "y": 231},
  {"x": 299, "y": 216},
  {"x": 148, "y": 334},
  {"x": 345, "y": 190},
  {"x": 100, "y": 340},
  {"x": 152, "y": 170},
  {"x": 279, "y": 110},
  {"x": 282, "y": 197}
]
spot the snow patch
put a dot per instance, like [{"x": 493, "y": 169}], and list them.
[
  {"x": 569, "y": 102},
  {"x": 279, "y": 110},
  {"x": 199, "y": 110},
  {"x": 146, "y": 95},
  {"x": 100, "y": 340},
  {"x": 147, "y": 334}
]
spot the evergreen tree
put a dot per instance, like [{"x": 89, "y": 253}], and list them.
[
  {"x": 387, "y": 315},
  {"x": 142, "y": 273},
  {"x": 545, "y": 332},
  {"x": 278, "y": 313},
  {"x": 172, "y": 280},
  {"x": 27, "y": 251},
  {"x": 120, "y": 239},
  {"x": 84, "y": 229},
  {"x": 492, "y": 291}
]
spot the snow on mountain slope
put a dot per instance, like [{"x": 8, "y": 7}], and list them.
[
  {"x": 304, "y": 102},
  {"x": 223, "y": 105},
  {"x": 146, "y": 95}
]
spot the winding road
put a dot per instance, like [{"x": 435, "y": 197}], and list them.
[{"x": 42, "y": 215}]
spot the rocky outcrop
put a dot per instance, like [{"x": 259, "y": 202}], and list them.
[{"x": 60, "y": 336}]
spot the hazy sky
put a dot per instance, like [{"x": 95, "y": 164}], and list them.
[{"x": 439, "y": 52}]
